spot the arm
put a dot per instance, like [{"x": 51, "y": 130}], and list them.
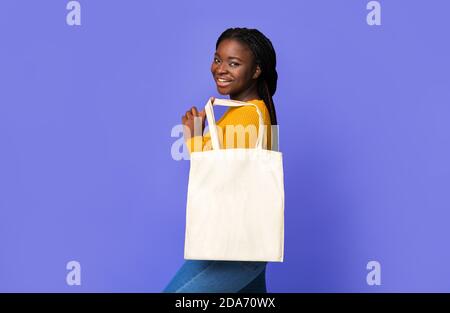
[
  {"x": 194, "y": 124},
  {"x": 241, "y": 127},
  {"x": 196, "y": 143}
]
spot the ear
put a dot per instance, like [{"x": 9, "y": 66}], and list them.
[{"x": 257, "y": 72}]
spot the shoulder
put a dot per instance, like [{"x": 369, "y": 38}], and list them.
[
  {"x": 246, "y": 114},
  {"x": 263, "y": 109}
]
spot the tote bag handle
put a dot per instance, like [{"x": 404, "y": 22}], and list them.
[{"x": 231, "y": 103}]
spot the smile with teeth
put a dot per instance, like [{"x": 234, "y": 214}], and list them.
[{"x": 221, "y": 82}]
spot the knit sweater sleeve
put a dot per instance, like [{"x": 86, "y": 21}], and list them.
[
  {"x": 196, "y": 143},
  {"x": 238, "y": 128},
  {"x": 241, "y": 128}
]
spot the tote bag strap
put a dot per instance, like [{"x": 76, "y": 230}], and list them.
[{"x": 231, "y": 103}]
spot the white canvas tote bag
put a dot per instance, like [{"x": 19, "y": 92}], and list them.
[{"x": 235, "y": 200}]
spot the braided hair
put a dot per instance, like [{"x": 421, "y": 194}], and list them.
[{"x": 265, "y": 57}]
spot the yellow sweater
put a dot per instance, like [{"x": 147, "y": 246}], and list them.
[{"x": 233, "y": 121}]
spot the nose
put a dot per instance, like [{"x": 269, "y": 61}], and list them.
[{"x": 221, "y": 68}]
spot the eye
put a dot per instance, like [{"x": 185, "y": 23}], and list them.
[
  {"x": 216, "y": 60},
  {"x": 234, "y": 64}
]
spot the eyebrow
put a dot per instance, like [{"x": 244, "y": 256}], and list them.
[{"x": 229, "y": 58}]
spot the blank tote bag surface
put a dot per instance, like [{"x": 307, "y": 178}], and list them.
[{"x": 235, "y": 200}]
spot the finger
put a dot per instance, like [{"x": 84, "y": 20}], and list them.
[
  {"x": 194, "y": 111},
  {"x": 189, "y": 115},
  {"x": 183, "y": 119}
]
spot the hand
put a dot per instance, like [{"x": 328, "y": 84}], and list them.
[{"x": 190, "y": 120}]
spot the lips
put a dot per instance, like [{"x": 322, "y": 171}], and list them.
[{"x": 223, "y": 81}]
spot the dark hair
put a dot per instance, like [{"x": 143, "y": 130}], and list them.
[{"x": 265, "y": 57}]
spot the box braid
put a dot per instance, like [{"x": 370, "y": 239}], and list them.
[{"x": 265, "y": 57}]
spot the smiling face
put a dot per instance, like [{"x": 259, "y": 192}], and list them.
[{"x": 234, "y": 70}]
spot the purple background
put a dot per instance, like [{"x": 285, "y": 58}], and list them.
[{"x": 86, "y": 115}]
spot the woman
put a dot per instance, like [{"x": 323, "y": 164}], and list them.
[{"x": 243, "y": 68}]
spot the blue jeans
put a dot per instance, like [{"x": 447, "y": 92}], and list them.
[{"x": 199, "y": 276}]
